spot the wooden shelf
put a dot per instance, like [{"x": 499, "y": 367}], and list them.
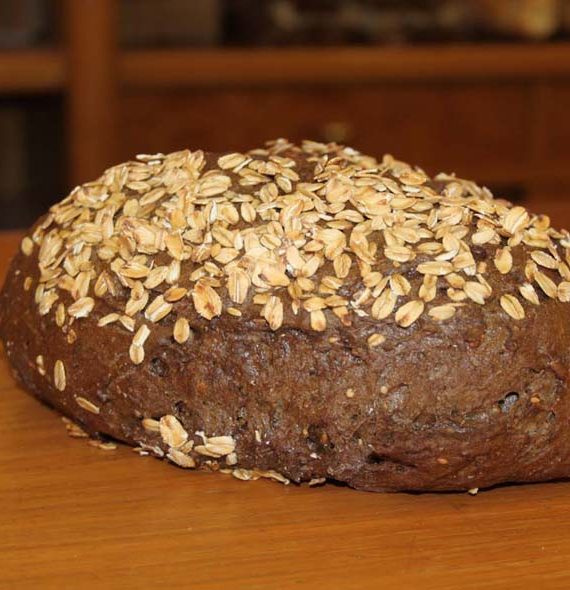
[
  {"x": 196, "y": 67},
  {"x": 31, "y": 71},
  {"x": 44, "y": 70}
]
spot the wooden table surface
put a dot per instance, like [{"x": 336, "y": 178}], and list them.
[{"x": 74, "y": 516}]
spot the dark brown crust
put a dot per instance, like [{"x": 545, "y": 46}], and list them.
[{"x": 457, "y": 413}]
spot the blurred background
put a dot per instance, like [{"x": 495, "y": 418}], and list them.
[{"x": 476, "y": 87}]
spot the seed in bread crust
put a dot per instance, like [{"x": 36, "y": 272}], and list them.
[
  {"x": 151, "y": 425},
  {"x": 442, "y": 312},
  {"x": 515, "y": 220},
  {"x": 564, "y": 291},
  {"x": 547, "y": 285},
  {"x": 409, "y": 313},
  {"x": 400, "y": 285},
  {"x": 318, "y": 321},
  {"x": 503, "y": 260},
  {"x": 108, "y": 319},
  {"x": 273, "y": 312},
  {"x": 483, "y": 236},
  {"x": 238, "y": 284},
  {"x": 384, "y": 305},
  {"x": 543, "y": 259},
  {"x": 136, "y": 354},
  {"x": 512, "y": 306},
  {"x": 231, "y": 161},
  {"x": 141, "y": 336},
  {"x": 59, "y": 378},
  {"x": 206, "y": 301},
  {"x": 231, "y": 459},
  {"x": 60, "y": 315},
  {"x": 342, "y": 266},
  {"x": 27, "y": 246},
  {"x": 529, "y": 293},
  {"x": 81, "y": 308},
  {"x": 181, "y": 459},
  {"x": 175, "y": 294},
  {"x": 428, "y": 288},
  {"x": 398, "y": 253},
  {"x": 376, "y": 340},
  {"x": 435, "y": 268},
  {"x": 476, "y": 292},
  {"x": 216, "y": 446},
  {"x": 181, "y": 331},
  {"x": 172, "y": 432},
  {"x": 87, "y": 405},
  {"x": 158, "y": 309},
  {"x": 40, "y": 365}
]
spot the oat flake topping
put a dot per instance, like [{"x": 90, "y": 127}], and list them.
[{"x": 285, "y": 228}]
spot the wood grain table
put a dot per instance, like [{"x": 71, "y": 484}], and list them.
[{"x": 74, "y": 516}]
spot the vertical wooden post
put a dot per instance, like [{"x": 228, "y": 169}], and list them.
[{"x": 92, "y": 87}]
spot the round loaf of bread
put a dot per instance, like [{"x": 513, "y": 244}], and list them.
[{"x": 304, "y": 313}]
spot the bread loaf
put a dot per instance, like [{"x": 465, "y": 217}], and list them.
[{"x": 301, "y": 313}]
